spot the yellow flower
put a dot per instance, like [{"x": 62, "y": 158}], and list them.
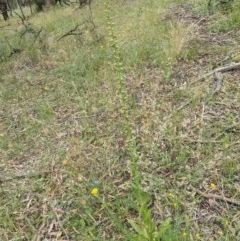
[
  {"x": 171, "y": 195},
  {"x": 184, "y": 234},
  {"x": 94, "y": 192},
  {"x": 45, "y": 87},
  {"x": 221, "y": 232},
  {"x": 197, "y": 235},
  {"x": 213, "y": 185},
  {"x": 41, "y": 76}
]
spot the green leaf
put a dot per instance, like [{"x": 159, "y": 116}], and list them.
[
  {"x": 139, "y": 229},
  {"x": 163, "y": 229}
]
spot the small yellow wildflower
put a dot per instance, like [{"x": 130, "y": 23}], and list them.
[
  {"x": 221, "y": 232},
  {"x": 184, "y": 234},
  {"x": 94, "y": 192},
  {"x": 171, "y": 195},
  {"x": 197, "y": 235},
  {"x": 213, "y": 185},
  {"x": 45, "y": 87},
  {"x": 59, "y": 234},
  {"x": 41, "y": 76}
]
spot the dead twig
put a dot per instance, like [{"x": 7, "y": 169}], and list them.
[
  {"x": 71, "y": 32},
  {"x": 218, "y": 85},
  {"x": 227, "y": 129},
  {"x": 221, "y": 70},
  {"x": 201, "y": 141},
  {"x": 219, "y": 79},
  {"x": 215, "y": 196},
  {"x": 79, "y": 29}
]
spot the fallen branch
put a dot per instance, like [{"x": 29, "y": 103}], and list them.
[
  {"x": 221, "y": 70},
  {"x": 71, "y": 32},
  {"x": 219, "y": 79},
  {"x": 79, "y": 29},
  {"x": 218, "y": 85},
  {"x": 215, "y": 196}
]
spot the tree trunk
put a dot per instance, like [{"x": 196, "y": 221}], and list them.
[{"x": 4, "y": 9}]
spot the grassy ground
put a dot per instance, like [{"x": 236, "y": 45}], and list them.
[{"x": 106, "y": 132}]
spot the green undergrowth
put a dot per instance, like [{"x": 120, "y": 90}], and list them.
[{"x": 102, "y": 136}]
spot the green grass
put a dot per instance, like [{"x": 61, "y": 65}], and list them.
[{"x": 112, "y": 108}]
